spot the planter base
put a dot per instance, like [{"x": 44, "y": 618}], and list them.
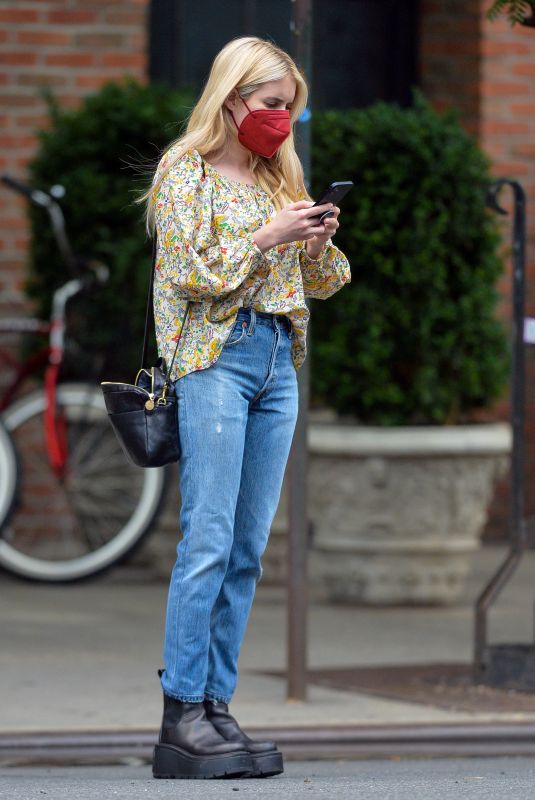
[
  {"x": 397, "y": 512},
  {"x": 393, "y": 578}
]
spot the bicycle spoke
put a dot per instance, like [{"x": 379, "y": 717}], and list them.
[
  {"x": 110, "y": 465},
  {"x": 86, "y": 442}
]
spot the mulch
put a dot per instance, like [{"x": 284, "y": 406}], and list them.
[{"x": 451, "y": 686}]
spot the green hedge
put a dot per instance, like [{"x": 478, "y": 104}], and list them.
[
  {"x": 413, "y": 338},
  {"x": 104, "y": 154}
]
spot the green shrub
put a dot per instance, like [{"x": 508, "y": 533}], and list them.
[
  {"x": 104, "y": 153},
  {"x": 414, "y": 338}
]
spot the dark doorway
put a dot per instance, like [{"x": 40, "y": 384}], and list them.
[{"x": 364, "y": 50}]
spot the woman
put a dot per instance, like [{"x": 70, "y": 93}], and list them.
[{"x": 239, "y": 249}]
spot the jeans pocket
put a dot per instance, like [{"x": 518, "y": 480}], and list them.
[{"x": 237, "y": 333}]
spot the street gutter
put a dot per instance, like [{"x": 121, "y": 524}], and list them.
[{"x": 333, "y": 742}]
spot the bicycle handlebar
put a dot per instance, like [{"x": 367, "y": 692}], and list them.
[
  {"x": 76, "y": 264},
  {"x": 17, "y": 186}
]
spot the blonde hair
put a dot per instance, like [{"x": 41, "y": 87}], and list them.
[{"x": 244, "y": 64}]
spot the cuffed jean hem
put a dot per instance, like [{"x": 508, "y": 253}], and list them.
[
  {"x": 221, "y": 698},
  {"x": 185, "y": 698}
]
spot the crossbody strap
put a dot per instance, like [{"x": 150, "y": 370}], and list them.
[
  {"x": 150, "y": 305},
  {"x": 148, "y": 316}
]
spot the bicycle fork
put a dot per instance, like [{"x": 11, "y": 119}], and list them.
[{"x": 54, "y": 420}]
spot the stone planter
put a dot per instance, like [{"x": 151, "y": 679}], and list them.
[{"x": 397, "y": 512}]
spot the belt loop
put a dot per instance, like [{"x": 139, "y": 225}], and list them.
[{"x": 252, "y": 321}]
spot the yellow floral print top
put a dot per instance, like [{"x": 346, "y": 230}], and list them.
[{"x": 206, "y": 254}]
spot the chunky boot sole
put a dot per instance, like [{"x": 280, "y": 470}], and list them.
[
  {"x": 172, "y": 762},
  {"x": 266, "y": 764}
]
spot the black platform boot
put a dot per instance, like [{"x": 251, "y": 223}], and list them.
[
  {"x": 190, "y": 747},
  {"x": 267, "y": 759}
]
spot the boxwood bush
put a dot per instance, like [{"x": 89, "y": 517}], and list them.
[
  {"x": 413, "y": 338},
  {"x": 104, "y": 153}
]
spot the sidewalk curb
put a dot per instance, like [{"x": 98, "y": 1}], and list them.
[{"x": 296, "y": 743}]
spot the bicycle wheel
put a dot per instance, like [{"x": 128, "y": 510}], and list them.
[
  {"x": 67, "y": 528},
  {"x": 8, "y": 474}
]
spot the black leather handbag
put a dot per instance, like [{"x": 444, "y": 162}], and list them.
[{"x": 144, "y": 414}]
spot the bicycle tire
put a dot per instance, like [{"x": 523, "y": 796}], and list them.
[
  {"x": 8, "y": 474},
  {"x": 98, "y": 475}
]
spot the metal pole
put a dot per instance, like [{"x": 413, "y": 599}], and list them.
[
  {"x": 301, "y": 27},
  {"x": 518, "y": 539}
]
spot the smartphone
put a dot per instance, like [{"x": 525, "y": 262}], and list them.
[{"x": 333, "y": 194}]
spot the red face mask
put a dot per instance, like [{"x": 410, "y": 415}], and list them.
[{"x": 264, "y": 130}]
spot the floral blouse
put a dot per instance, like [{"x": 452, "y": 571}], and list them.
[{"x": 206, "y": 254}]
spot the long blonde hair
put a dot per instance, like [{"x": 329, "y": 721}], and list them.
[{"x": 244, "y": 64}]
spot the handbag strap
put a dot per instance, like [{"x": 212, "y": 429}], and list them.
[
  {"x": 148, "y": 317},
  {"x": 149, "y": 305}
]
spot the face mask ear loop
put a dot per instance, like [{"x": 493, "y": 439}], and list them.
[{"x": 232, "y": 115}]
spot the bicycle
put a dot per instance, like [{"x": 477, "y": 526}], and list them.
[{"x": 71, "y": 505}]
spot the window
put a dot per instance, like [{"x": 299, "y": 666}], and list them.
[{"x": 364, "y": 50}]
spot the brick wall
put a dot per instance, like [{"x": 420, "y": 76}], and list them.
[
  {"x": 450, "y": 34},
  {"x": 71, "y": 46},
  {"x": 487, "y": 69}
]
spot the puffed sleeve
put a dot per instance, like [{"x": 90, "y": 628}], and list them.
[
  {"x": 325, "y": 275},
  {"x": 182, "y": 204}
]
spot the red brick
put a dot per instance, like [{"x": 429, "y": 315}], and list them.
[
  {"x": 16, "y": 57},
  {"x": 127, "y": 18},
  {"x": 490, "y": 48},
  {"x": 32, "y": 121},
  {"x": 490, "y": 126},
  {"x": 17, "y": 223},
  {"x": 75, "y": 17},
  {"x": 72, "y": 59},
  {"x": 18, "y": 15},
  {"x": 523, "y": 69},
  {"x": 449, "y": 48},
  {"x": 125, "y": 60},
  {"x": 68, "y": 100},
  {"x": 43, "y": 78},
  {"x": 43, "y": 37},
  {"x": 101, "y": 40},
  {"x": 523, "y": 108},
  {"x": 93, "y": 82},
  {"x": 524, "y": 150},
  {"x": 512, "y": 168},
  {"x": 21, "y": 100},
  {"x": 507, "y": 88}
]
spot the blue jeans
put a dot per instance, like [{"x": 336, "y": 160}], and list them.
[{"x": 236, "y": 422}]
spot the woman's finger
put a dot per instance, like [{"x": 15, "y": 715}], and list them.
[{"x": 315, "y": 211}]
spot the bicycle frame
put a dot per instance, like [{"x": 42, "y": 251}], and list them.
[{"x": 52, "y": 355}]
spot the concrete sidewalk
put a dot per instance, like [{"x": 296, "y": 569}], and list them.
[{"x": 83, "y": 657}]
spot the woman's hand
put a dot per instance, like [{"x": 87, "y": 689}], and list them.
[
  {"x": 330, "y": 225},
  {"x": 295, "y": 223}
]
